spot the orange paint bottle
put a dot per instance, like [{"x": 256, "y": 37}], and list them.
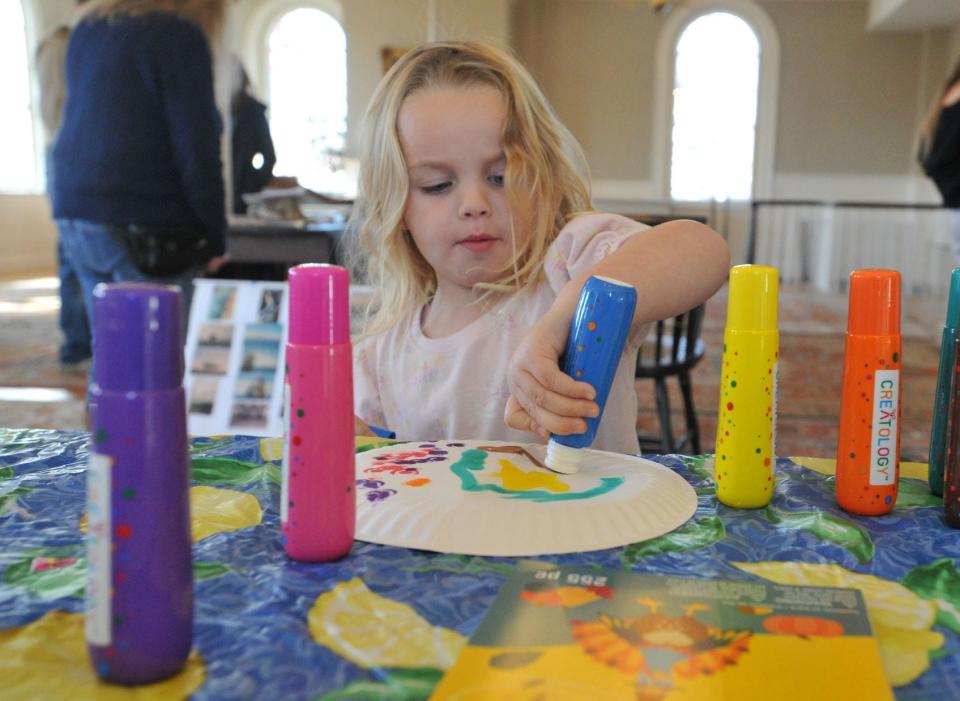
[{"x": 868, "y": 449}]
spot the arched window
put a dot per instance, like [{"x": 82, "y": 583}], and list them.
[
  {"x": 307, "y": 74},
  {"x": 714, "y": 109},
  {"x": 18, "y": 164}
]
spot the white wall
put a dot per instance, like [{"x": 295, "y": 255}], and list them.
[
  {"x": 621, "y": 166},
  {"x": 27, "y": 235}
]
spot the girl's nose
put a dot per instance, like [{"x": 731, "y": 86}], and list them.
[{"x": 474, "y": 203}]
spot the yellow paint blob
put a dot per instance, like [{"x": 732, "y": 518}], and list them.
[
  {"x": 373, "y": 631},
  {"x": 47, "y": 659},
  {"x": 517, "y": 480}
]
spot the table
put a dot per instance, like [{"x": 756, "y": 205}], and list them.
[
  {"x": 251, "y": 241},
  {"x": 384, "y": 622}
]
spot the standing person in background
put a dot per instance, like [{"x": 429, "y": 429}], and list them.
[
  {"x": 50, "y": 60},
  {"x": 252, "y": 146},
  {"x": 940, "y": 148},
  {"x": 139, "y": 191}
]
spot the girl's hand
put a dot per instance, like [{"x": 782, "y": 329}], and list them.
[
  {"x": 360, "y": 427},
  {"x": 543, "y": 399}
]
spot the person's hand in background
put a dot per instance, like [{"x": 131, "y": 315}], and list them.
[{"x": 217, "y": 262}]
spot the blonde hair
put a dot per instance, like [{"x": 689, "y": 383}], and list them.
[
  {"x": 546, "y": 180},
  {"x": 929, "y": 124},
  {"x": 209, "y": 15}
]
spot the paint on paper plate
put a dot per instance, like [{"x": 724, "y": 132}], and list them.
[{"x": 513, "y": 471}]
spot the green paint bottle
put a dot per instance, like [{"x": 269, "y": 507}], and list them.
[{"x": 941, "y": 404}]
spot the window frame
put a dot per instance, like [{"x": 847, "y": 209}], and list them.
[
  {"x": 254, "y": 39},
  {"x": 254, "y": 42},
  {"x": 31, "y": 39},
  {"x": 767, "y": 89}
]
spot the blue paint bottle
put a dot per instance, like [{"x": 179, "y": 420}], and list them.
[{"x": 598, "y": 333}]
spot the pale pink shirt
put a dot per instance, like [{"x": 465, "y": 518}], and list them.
[{"x": 456, "y": 387}]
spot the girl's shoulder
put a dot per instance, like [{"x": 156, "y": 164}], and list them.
[{"x": 585, "y": 241}]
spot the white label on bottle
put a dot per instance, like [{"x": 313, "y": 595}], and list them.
[
  {"x": 884, "y": 434},
  {"x": 285, "y": 468},
  {"x": 99, "y": 629}
]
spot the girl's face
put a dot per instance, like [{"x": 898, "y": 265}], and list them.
[{"x": 457, "y": 209}]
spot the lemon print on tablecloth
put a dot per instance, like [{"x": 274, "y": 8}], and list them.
[
  {"x": 47, "y": 659},
  {"x": 271, "y": 449},
  {"x": 214, "y": 510},
  {"x": 901, "y": 620},
  {"x": 373, "y": 631},
  {"x": 828, "y": 466}
]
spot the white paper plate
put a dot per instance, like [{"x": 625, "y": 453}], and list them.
[{"x": 492, "y": 498}]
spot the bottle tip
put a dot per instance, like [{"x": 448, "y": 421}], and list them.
[{"x": 562, "y": 458}]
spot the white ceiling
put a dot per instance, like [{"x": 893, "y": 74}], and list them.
[{"x": 900, "y": 15}]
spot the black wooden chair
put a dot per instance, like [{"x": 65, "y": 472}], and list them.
[{"x": 673, "y": 349}]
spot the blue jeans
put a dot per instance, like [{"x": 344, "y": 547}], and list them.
[
  {"x": 74, "y": 322},
  {"x": 73, "y": 314},
  {"x": 96, "y": 257}
]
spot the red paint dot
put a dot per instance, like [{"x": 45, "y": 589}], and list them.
[
  {"x": 729, "y": 406},
  {"x": 766, "y": 462},
  {"x": 591, "y": 325},
  {"x": 120, "y": 577},
  {"x": 124, "y": 530},
  {"x": 296, "y": 440}
]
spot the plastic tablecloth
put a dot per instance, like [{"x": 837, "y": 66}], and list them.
[{"x": 385, "y": 622}]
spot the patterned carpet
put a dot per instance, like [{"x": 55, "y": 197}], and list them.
[{"x": 811, "y": 344}]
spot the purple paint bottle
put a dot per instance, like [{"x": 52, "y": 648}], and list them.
[{"x": 139, "y": 617}]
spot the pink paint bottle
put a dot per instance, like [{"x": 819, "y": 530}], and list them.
[{"x": 318, "y": 501}]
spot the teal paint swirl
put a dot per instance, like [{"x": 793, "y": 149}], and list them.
[{"x": 472, "y": 461}]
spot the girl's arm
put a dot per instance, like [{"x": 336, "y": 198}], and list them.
[{"x": 674, "y": 267}]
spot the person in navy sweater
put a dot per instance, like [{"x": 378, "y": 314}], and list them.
[{"x": 138, "y": 151}]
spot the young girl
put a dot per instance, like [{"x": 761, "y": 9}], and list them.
[{"x": 476, "y": 229}]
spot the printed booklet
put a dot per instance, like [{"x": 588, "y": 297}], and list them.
[{"x": 572, "y": 633}]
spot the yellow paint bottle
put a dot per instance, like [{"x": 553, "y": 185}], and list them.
[{"x": 746, "y": 422}]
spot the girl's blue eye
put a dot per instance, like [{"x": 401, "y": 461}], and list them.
[
  {"x": 435, "y": 189},
  {"x": 496, "y": 180}
]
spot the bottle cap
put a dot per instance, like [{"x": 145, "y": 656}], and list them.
[
  {"x": 319, "y": 305},
  {"x": 874, "y": 303},
  {"x": 138, "y": 341},
  {"x": 563, "y": 458},
  {"x": 752, "y": 298},
  {"x": 953, "y": 302}
]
